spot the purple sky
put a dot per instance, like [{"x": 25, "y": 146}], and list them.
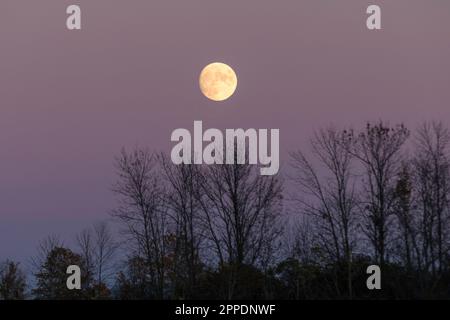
[{"x": 69, "y": 100}]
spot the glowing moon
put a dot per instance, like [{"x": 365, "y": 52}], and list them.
[{"x": 218, "y": 81}]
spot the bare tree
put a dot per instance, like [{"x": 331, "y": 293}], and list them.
[
  {"x": 184, "y": 209},
  {"x": 240, "y": 211},
  {"x": 432, "y": 167},
  {"x": 378, "y": 147},
  {"x": 98, "y": 249},
  {"x": 406, "y": 220},
  {"x": 86, "y": 246},
  {"x": 328, "y": 194},
  {"x": 105, "y": 250},
  {"x": 142, "y": 209}
]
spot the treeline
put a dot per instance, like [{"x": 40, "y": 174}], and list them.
[{"x": 378, "y": 195}]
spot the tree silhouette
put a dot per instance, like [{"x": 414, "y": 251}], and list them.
[
  {"x": 12, "y": 281},
  {"x": 52, "y": 277}
]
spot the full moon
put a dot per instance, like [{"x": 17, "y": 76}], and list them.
[{"x": 218, "y": 81}]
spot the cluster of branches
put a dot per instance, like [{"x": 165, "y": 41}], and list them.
[
  {"x": 184, "y": 221},
  {"x": 380, "y": 194},
  {"x": 374, "y": 196}
]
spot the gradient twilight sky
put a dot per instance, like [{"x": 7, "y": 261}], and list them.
[{"x": 69, "y": 100}]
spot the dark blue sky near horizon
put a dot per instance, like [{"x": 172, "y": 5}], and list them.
[{"x": 70, "y": 100}]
